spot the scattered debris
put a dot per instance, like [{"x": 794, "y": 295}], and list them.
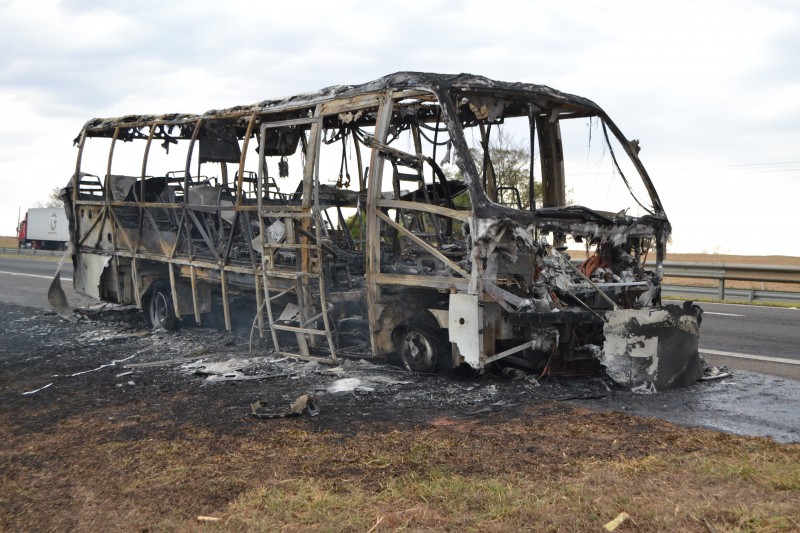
[
  {"x": 238, "y": 376},
  {"x": 304, "y": 403},
  {"x": 377, "y": 523},
  {"x": 166, "y": 362},
  {"x": 363, "y": 384},
  {"x": 231, "y": 370},
  {"x": 106, "y": 365},
  {"x": 218, "y": 368},
  {"x": 618, "y": 521},
  {"x": 413, "y": 397},
  {"x": 518, "y": 374},
  {"x": 107, "y": 336},
  {"x": 711, "y": 373},
  {"x": 648, "y": 387},
  {"x": 348, "y": 385},
  {"x": 112, "y": 363}
]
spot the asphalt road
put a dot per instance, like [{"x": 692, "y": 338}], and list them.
[
  {"x": 746, "y": 337},
  {"x": 25, "y": 281},
  {"x": 34, "y": 267},
  {"x": 750, "y": 337}
]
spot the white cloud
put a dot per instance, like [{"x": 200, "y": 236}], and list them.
[{"x": 704, "y": 85}]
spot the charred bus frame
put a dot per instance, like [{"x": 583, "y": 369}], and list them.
[{"x": 440, "y": 263}]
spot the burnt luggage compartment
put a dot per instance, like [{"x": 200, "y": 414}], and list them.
[{"x": 422, "y": 215}]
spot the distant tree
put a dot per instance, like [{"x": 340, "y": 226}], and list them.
[
  {"x": 510, "y": 159},
  {"x": 355, "y": 225},
  {"x": 53, "y": 199}
]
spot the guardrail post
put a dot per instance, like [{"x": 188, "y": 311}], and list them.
[{"x": 721, "y": 289}]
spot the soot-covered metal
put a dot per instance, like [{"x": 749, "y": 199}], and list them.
[{"x": 383, "y": 219}]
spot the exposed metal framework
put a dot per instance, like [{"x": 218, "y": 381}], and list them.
[{"x": 186, "y": 216}]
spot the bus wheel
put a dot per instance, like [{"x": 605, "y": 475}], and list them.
[
  {"x": 159, "y": 312},
  {"x": 418, "y": 349}
]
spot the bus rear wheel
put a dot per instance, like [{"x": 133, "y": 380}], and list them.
[{"x": 159, "y": 311}]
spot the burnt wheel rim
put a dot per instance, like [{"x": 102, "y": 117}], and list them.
[
  {"x": 418, "y": 351},
  {"x": 159, "y": 310}
]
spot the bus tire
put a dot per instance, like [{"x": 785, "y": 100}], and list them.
[
  {"x": 159, "y": 311},
  {"x": 420, "y": 348}
]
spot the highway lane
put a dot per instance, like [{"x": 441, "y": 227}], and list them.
[
  {"x": 34, "y": 267},
  {"x": 754, "y": 338},
  {"x": 747, "y": 337},
  {"x": 772, "y": 331},
  {"x": 25, "y": 281}
]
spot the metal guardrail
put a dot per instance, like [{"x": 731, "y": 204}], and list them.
[
  {"x": 720, "y": 272},
  {"x": 733, "y": 295},
  {"x": 31, "y": 252},
  {"x": 732, "y": 272}
]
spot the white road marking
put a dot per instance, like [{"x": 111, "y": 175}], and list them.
[
  {"x": 720, "y": 314},
  {"x": 753, "y": 357},
  {"x": 31, "y": 275}
]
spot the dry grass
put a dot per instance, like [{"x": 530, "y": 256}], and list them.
[
  {"x": 563, "y": 470},
  {"x": 8, "y": 242}
]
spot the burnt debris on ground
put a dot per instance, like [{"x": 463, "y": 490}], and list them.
[
  {"x": 201, "y": 375},
  {"x": 110, "y": 358}
]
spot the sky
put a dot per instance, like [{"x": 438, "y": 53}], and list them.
[{"x": 710, "y": 88}]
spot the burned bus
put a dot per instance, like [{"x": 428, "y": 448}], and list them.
[{"x": 423, "y": 215}]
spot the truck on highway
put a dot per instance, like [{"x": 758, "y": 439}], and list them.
[
  {"x": 391, "y": 219},
  {"x": 44, "y": 228}
]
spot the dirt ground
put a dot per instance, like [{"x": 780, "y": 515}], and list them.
[{"x": 99, "y": 433}]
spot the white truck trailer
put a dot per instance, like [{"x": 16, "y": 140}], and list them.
[{"x": 44, "y": 228}]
